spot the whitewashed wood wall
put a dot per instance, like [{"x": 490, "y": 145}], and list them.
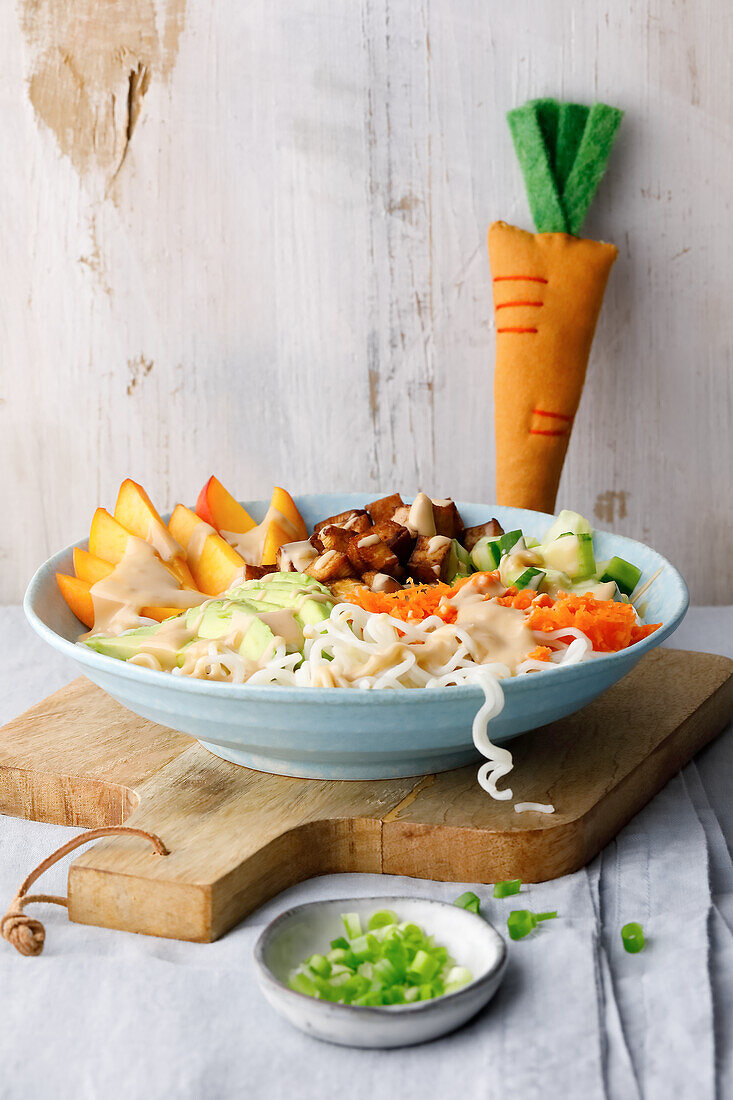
[{"x": 248, "y": 237}]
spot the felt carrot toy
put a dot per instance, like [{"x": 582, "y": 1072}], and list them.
[{"x": 548, "y": 291}]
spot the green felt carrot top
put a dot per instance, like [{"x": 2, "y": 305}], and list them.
[{"x": 563, "y": 150}]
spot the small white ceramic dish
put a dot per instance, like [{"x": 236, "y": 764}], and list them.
[{"x": 307, "y": 929}]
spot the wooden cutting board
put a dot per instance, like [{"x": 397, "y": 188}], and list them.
[{"x": 237, "y": 837}]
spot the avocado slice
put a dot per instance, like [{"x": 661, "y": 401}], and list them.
[
  {"x": 305, "y": 610},
  {"x": 121, "y": 646}
]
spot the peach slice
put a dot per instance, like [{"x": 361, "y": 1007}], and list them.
[
  {"x": 88, "y": 567},
  {"x": 108, "y": 539},
  {"x": 212, "y": 560},
  {"x": 284, "y": 503},
  {"x": 217, "y": 507},
  {"x": 275, "y": 538},
  {"x": 77, "y": 593},
  {"x": 136, "y": 512}
]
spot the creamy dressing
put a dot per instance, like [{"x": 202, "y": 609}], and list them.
[
  {"x": 197, "y": 540},
  {"x": 498, "y": 633},
  {"x": 250, "y": 544},
  {"x": 369, "y": 540},
  {"x": 437, "y": 543},
  {"x": 162, "y": 540},
  {"x": 382, "y": 582},
  {"x": 480, "y": 585},
  {"x": 283, "y": 624},
  {"x": 295, "y": 556},
  {"x": 139, "y": 580},
  {"x": 421, "y": 518}
]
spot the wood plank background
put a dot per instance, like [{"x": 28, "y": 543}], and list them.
[{"x": 249, "y": 239}]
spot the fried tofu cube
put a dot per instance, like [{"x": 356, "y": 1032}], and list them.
[
  {"x": 355, "y": 519},
  {"x": 256, "y": 572},
  {"x": 448, "y": 521},
  {"x": 490, "y": 530},
  {"x": 385, "y": 507},
  {"x": 343, "y": 589},
  {"x": 330, "y": 566},
  {"x": 336, "y": 538},
  {"x": 369, "y": 554},
  {"x": 380, "y": 582},
  {"x": 396, "y": 537},
  {"x": 430, "y": 560}
]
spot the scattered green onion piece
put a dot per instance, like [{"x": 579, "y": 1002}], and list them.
[
  {"x": 341, "y": 942},
  {"x": 521, "y": 922},
  {"x": 508, "y": 887},
  {"x": 468, "y": 901},
  {"x": 632, "y": 935}
]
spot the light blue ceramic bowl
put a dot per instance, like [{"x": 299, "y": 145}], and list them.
[{"x": 340, "y": 733}]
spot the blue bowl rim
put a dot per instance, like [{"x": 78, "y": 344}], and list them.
[{"x": 338, "y": 696}]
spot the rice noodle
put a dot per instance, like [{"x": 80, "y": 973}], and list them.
[{"x": 355, "y": 648}]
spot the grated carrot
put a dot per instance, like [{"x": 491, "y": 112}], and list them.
[
  {"x": 416, "y": 602},
  {"x": 541, "y": 653},
  {"x": 610, "y": 626}
]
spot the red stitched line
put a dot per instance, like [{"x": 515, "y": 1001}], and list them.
[
  {"x": 506, "y": 305},
  {"x": 555, "y": 416},
  {"x": 545, "y": 431},
  {"x": 519, "y": 279},
  {"x": 516, "y": 328}
]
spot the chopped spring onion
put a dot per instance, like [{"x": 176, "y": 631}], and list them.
[
  {"x": 352, "y": 924},
  {"x": 508, "y": 887},
  {"x": 521, "y": 922},
  {"x": 391, "y": 963},
  {"x": 382, "y": 918},
  {"x": 632, "y": 935},
  {"x": 468, "y": 901}
]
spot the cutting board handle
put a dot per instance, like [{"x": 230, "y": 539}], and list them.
[{"x": 28, "y": 935}]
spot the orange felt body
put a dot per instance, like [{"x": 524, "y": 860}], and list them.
[
  {"x": 548, "y": 291},
  {"x": 213, "y": 564},
  {"x": 136, "y": 512},
  {"x": 217, "y": 507}
]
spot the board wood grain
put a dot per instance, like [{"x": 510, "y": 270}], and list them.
[
  {"x": 249, "y": 239},
  {"x": 237, "y": 837}
]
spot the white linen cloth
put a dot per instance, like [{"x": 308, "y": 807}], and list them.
[{"x": 107, "y": 1013}]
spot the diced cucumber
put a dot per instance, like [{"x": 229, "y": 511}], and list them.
[
  {"x": 508, "y": 541},
  {"x": 603, "y": 590},
  {"x": 459, "y": 564},
  {"x": 623, "y": 573},
  {"x": 530, "y": 578},
  {"x": 486, "y": 555},
  {"x": 567, "y": 521},
  {"x": 530, "y": 541},
  {"x": 464, "y": 558},
  {"x": 555, "y": 581},
  {"x": 488, "y": 552},
  {"x": 571, "y": 554}
]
